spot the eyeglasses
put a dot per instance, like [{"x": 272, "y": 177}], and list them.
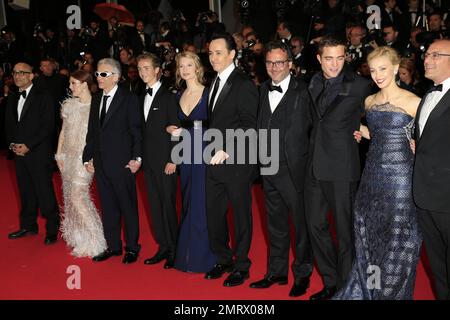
[
  {"x": 435, "y": 55},
  {"x": 20, "y": 73},
  {"x": 277, "y": 64},
  {"x": 105, "y": 74}
]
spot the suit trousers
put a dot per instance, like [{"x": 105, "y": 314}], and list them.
[
  {"x": 161, "y": 192},
  {"x": 36, "y": 192},
  {"x": 218, "y": 195},
  {"x": 119, "y": 200},
  {"x": 283, "y": 200},
  {"x": 338, "y": 196},
  {"x": 436, "y": 235}
]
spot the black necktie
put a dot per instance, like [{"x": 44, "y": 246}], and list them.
[
  {"x": 23, "y": 94},
  {"x": 321, "y": 98},
  {"x": 150, "y": 91},
  {"x": 276, "y": 88},
  {"x": 103, "y": 112},
  {"x": 214, "y": 93},
  {"x": 435, "y": 88}
]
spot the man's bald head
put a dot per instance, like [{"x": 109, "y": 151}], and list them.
[
  {"x": 23, "y": 75},
  {"x": 437, "y": 61}
]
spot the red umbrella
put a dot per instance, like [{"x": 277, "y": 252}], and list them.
[{"x": 108, "y": 10}]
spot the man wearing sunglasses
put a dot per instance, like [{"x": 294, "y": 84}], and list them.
[
  {"x": 113, "y": 152},
  {"x": 30, "y": 121}
]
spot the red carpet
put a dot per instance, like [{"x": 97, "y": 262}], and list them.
[{"x": 30, "y": 270}]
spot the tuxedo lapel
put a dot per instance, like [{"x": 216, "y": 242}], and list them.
[
  {"x": 419, "y": 109},
  {"x": 345, "y": 90},
  {"x": 313, "y": 101},
  {"x": 225, "y": 90},
  {"x": 27, "y": 104},
  {"x": 290, "y": 99},
  {"x": 441, "y": 107},
  {"x": 115, "y": 103},
  {"x": 155, "y": 104}
]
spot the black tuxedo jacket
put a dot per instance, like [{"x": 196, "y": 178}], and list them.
[
  {"x": 236, "y": 108},
  {"x": 36, "y": 126},
  {"x": 137, "y": 45},
  {"x": 334, "y": 152},
  {"x": 298, "y": 126},
  {"x": 157, "y": 144},
  {"x": 431, "y": 181},
  {"x": 119, "y": 139}
]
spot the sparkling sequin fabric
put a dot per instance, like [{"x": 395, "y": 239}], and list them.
[
  {"x": 387, "y": 236},
  {"x": 81, "y": 226}
]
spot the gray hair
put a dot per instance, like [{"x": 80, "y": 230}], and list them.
[{"x": 113, "y": 63}]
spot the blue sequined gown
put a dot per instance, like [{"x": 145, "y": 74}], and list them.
[
  {"x": 387, "y": 235},
  {"x": 193, "y": 252}
]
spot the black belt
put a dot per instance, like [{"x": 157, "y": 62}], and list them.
[{"x": 188, "y": 124}]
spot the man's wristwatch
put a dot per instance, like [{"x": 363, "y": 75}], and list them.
[{"x": 138, "y": 159}]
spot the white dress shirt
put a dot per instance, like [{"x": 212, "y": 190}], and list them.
[
  {"x": 224, "y": 75},
  {"x": 275, "y": 96},
  {"x": 149, "y": 100},
  {"x": 22, "y": 102},
  {"x": 108, "y": 102},
  {"x": 431, "y": 100}
]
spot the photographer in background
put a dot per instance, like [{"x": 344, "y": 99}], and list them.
[
  {"x": 11, "y": 51},
  {"x": 118, "y": 37},
  {"x": 206, "y": 25},
  {"x": 70, "y": 47},
  {"x": 95, "y": 40}
]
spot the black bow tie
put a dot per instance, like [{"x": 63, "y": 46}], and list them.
[
  {"x": 23, "y": 94},
  {"x": 150, "y": 91},
  {"x": 277, "y": 88},
  {"x": 435, "y": 88}
]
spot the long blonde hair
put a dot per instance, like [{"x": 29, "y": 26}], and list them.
[{"x": 199, "y": 70}]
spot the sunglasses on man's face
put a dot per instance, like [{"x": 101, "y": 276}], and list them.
[{"x": 105, "y": 74}]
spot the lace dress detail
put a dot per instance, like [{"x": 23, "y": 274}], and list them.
[
  {"x": 387, "y": 235},
  {"x": 81, "y": 226}
]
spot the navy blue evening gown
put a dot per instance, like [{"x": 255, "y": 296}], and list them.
[{"x": 193, "y": 252}]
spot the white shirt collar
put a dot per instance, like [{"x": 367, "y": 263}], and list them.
[
  {"x": 284, "y": 84},
  {"x": 225, "y": 74},
  {"x": 155, "y": 87},
  {"x": 445, "y": 85},
  {"x": 111, "y": 93}
]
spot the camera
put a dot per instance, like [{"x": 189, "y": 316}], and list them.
[
  {"x": 247, "y": 57},
  {"x": 38, "y": 28},
  {"x": 374, "y": 36}
]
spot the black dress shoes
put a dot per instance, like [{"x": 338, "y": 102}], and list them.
[
  {"x": 50, "y": 239},
  {"x": 22, "y": 233},
  {"x": 326, "y": 294},
  {"x": 218, "y": 271},
  {"x": 236, "y": 278},
  {"x": 106, "y": 255},
  {"x": 269, "y": 281},
  {"x": 130, "y": 256},
  {"x": 169, "y": 262},
  {"x": 157, "y": 258},
  {"x": 299, "y": 288}
]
